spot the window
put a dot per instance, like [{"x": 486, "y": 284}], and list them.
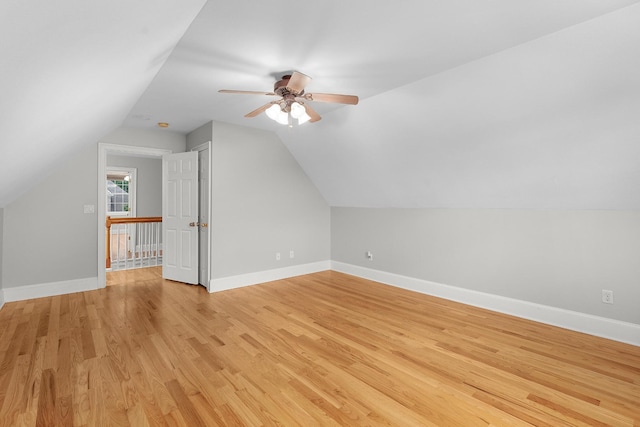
[{"x": 120, "y": 191}]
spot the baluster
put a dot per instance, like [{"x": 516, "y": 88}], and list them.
[
  {"x": 136, "y": 245},
  {"x": 118, "y": 245}
]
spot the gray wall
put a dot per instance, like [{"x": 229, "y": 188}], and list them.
[
  {"x": 1, "y": 245},
  {"x": 556, "y": 258},
  {"x": 200, "y": 135},
  {"x": 160, "y": 138},
  {"x": 149, "y": 184},
  {"x": 262, "y": 203},
  {"x": 47, "y": 237}
]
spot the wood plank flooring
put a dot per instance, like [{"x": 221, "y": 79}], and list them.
[{"x": 325, "y": 349}]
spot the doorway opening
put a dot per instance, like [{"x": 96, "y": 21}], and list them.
[{"x": 104, "y": 150}]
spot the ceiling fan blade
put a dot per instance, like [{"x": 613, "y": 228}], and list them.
[
  {"x": 258, "y": 110},
  {"x": 312, "y": 113},
  {"x": 246, "y": 92},
  {"x": 298, "y": 82},
  {"x": 331, "y": 97}
]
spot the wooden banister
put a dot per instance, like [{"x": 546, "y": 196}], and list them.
[
  {"x": 132, "y": 220},
  {"x": 125, "y": 220}
]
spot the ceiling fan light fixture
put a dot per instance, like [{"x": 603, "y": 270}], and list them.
[
  {"x": 297, "y": 110},
  {"x": 277, "y": 114},
  {"x": 273, "y": 111},
  {"x": 283, "y": 118},
  {"x": 291, "y": 88}
]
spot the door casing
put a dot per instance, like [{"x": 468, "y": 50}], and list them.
[{"x": 205, "y": 154}]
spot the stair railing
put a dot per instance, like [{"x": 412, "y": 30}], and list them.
[{"x": 133, "y": 242}]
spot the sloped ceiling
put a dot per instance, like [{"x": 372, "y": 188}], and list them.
[
  {"x": 550, "y": 124},
  {"x": 474, "y": 103},
  {"x": 71, "y": 71}
]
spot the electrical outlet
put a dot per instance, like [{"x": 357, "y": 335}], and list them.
[
  {"x": 292, "y": 254},
  {"x": 607, "y": 296},
  {"x": 369, "y": 255},
  {"x": 277, "y": 256}
]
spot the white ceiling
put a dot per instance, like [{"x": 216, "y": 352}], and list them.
[
  {"x": 467, "y": 103},
  {"x": 71, "y": 71}
]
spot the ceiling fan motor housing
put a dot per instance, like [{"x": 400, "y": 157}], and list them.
[
  {"x": 288, "y": 97},
  {"x": 280, "y": 87}
]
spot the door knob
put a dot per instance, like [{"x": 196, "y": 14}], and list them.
[{"x": 194, "y": 224}]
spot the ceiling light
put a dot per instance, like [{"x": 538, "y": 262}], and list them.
[
  {"x": 297, "y": 110},
  {"x": 276, "y": 113},
  {"x": 291, "y": 88},
  {"x": 284, "y": 112},
  {"x": 283, "y": 118},
  {"x": 163, "y": 124},
  {"x": 273, "y": 111}
]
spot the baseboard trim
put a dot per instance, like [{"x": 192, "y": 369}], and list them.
[
  {"x": 20, "y": 293},
  {"x": 233, "y": 282},
  {"x": 581, "y": 322},
  {"x": 593, "y": 325}
]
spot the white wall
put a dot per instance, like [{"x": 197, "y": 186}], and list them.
[
  {"x": 148, "y": 185},
  {"x": 262, "y": 203},
  {"x": 555, "y": 258}
]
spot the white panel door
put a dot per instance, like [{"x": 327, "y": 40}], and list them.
[{"x": 180, "y": 217}]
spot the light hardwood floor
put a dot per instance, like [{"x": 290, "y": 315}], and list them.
[{"x": 325, "y": 349}]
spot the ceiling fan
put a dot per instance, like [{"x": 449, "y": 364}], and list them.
[{"x": 293, "y": 100}]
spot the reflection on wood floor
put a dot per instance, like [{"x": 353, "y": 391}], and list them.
[
  {"x": 325, "y": 349},
  {"x": 123, "y": 277}
]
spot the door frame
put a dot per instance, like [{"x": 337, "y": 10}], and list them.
[
  {"x": 103, "y": 150},
  {"x": 202, "y": 147}
]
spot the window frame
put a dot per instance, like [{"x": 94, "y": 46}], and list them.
[{"x": 133, "y": 183}]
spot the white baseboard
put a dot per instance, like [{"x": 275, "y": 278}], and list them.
[
  {"x": 232, "y": 282},
  {"x": 20, "y": 293},
  {"x": 593, "y": 325}
]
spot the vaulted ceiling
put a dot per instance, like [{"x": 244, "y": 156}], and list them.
[{"x": 463, "y": 103}]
